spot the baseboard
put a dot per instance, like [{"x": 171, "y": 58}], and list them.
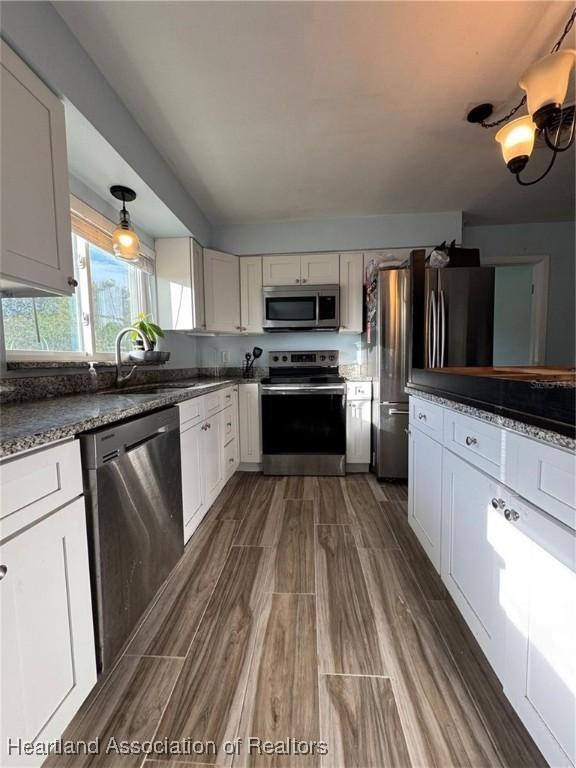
[
  {"x": 250, "y": 467},
  {"x": 351, "y": 468}
]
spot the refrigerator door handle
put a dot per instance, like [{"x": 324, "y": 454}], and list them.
[
  {"x": 429, "y": 333},
  {"x": 442, "y": 331},
  {"x": 434, "y": 329}
]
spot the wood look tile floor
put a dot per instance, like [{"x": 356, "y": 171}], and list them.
[{"x": 303, "y": 612}]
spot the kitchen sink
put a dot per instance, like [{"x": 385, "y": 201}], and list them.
[{"x": 148, "y": 389}]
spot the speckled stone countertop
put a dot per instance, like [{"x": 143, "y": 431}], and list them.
[
  {"x": 536, "y": 433},
  {"x": 34, "y": 423}
]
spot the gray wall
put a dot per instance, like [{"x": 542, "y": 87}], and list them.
[
  {"x": 512, "y": 315},
  {"x": 39, "y": 35},
  {"x": 398, "y": 230},
  {"x": 557, "y": 240}
]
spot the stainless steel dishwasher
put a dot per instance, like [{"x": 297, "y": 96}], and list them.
[{"x": 133, "y": 487}]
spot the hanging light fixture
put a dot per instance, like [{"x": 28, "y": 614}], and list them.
[
  {"x": 125, "y": 241},
  {"x": 545, "y": 84}
]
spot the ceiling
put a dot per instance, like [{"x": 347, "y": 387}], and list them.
[{"x": 280, "y": 110}]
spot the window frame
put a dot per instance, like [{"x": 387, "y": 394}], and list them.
[{"x": 146, "y": 299}]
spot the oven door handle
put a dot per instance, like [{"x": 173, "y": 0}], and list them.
[{"x": 298, "y": 389}]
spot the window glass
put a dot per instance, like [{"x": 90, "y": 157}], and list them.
[
  {"x": 42, "y": 325},
  {"x": 116, "y": 296}
]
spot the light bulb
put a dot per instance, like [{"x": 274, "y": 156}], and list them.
[
  {"x": 516, "y": 139},
  {"x": 125, "y": 243}
]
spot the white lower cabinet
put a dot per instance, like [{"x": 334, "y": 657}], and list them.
[
  {"x": 249, "y": 424},
  {"x": 358, "y": 433},
  {"x": 537, "y": 593},
  {"x": 47, "y": 649},
  {"x": 509, "y": 565},
  {"x": 425, "y": 492},
  {"x": 471, "y": 562},
  {"x": 206, "y": 445}
]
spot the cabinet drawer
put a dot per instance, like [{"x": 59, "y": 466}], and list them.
[
  {"x": 477, "y": 442},
  {"x": 427, "y": 416},
  {"x": 191, "y": 411},
  {"x": 359, "y": 390},
  {"x": 38, "y": 483},
  {"x": 213, "y": 402},
  {"x": 228, "y": 424},
  {"x": 542, "y": 474},
  {"x": 230, "y": 459}
]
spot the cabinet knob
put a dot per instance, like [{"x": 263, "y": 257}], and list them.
[
  {"x": 231, "y": 460},
  {"x": 297, "y": 279},
  {"x": 3, "y": 571},
  {"x": 304, "y": 280},
  {"x": 72, "y": 282},
  {"x": 208, "y": 425},
  {"x": 471, "y": 440},
  {"x": 422, "y": 416},
  {"x": 511, "y": 515},
  {"x": 498, "y": 504}
]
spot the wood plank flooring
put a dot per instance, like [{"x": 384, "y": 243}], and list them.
[{"x": 303, "y": 617}]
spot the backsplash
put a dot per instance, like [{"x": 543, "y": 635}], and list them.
[{"x": 219, "y": 352}]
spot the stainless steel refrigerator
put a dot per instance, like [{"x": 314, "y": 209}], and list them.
[{"x": 457, "y": 331}]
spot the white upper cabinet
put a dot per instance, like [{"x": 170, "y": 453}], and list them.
[
  {"x": 251, "y": 294},
  {"x": 351, "y": 292},
  {"x": 222, "y": 291},
  {"x": 180, "y": 281},
  {"x": 320, "y": 268},
  {"x": 281, "y": 270},
  {"x": 301, "y": 269},
  {"x": 36, "y": 230}
]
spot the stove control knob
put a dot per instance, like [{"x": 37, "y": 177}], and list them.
[
  {"x": 275, "y": 358},
  {"x": 322, "y": 357},
  {"x": 332, "y": 357},
  {"x": 284, "y": 359}
]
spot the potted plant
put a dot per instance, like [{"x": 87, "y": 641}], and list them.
[{"x": 152, "y": 331}]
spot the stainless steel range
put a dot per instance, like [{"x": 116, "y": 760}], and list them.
[{"x": 303, "y": 414}]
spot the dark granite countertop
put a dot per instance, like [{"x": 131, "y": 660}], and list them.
[
  {"x": 543, "y": 398},
  {"x": 34, "y": 423}
]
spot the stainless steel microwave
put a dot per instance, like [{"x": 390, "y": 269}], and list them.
[{"x": 306, "y": 308}]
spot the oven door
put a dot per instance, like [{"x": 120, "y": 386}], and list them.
[
  {"x": 285, "y": 309},
  {"x": 303, "y": 429}
]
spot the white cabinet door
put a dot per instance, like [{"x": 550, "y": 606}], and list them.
[
  {"x": 358, "y": 431},
  {"x": 191, "y": 448},
  {"x": 281, "y": 270},
  {"x": 538, "y": 595},
  {"x": 320, "y": 268},
  {"x": 180, "y": 284},
  {"x": 213, "y": 458},
  {"x": 222, "y": 291},
  {"x": 425, "y": 492},
  {"x": 251, "y": 294},
  {"x": 36, "y": 230},
  {"x": 351, "y": 292},
  {"x": 249, "y": 417},
  {"x": 470, "y": 561},
  {"x": 48, "y": 655}
]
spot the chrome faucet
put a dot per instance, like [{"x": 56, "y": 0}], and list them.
[{"x": 120, "y": 379}]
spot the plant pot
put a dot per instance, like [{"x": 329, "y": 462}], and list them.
[
  {"x": 139, "y": 344},
  {"x": 149, "y": 356}
]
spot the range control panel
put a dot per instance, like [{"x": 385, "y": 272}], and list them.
[{"x": 327, "y": 358}]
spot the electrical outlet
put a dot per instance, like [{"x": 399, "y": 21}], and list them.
[{"x": 224, "y": 355}]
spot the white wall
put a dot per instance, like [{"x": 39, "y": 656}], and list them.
[
  {"x": 557, "y": 240},
  {"x": 399, "y": 230},
  {"x": 210, "y": 348}
]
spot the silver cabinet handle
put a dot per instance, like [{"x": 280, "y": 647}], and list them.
[
  {"x": 511, "y": 515},
  {"x": 407, "y": 431},
  {"x": 3, "y": 571},
  {"x": 471, "y": 440},
  {"x": 398, "y": 412},
  {"x": 498, "y": 503},
  {"x": 422, "y": 416},
  {"x": 442, "y": 324},
  {"x": 435, "y": 330},
  {"x": 231, "y": 461}
]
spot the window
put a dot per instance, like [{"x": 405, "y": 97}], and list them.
[{"x": 110, "y": 294}]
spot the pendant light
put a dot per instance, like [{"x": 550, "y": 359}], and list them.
[
  {"x": 125, "y": 241},
  {"x": 545, "y": 84}
]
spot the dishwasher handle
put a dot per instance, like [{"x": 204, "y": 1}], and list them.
[{"x": 132, "y": 446}]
